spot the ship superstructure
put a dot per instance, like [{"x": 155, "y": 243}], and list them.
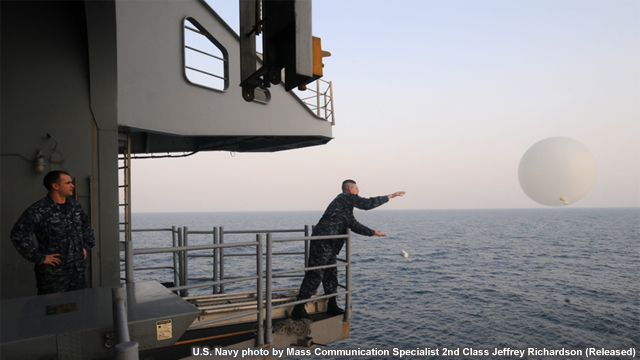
[{"x": 86, "y": 85}]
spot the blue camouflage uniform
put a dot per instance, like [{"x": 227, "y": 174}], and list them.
[
  {"x": 335, "y": 221},
  {"x": 63, "y": 229}
]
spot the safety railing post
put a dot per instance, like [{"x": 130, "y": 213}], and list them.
[
  {"x": 125, "y": 349},
  {"x": 333, "y": 120},
  {"x": 185, "y": 239},
  {"x": 128, "y": 261},
  {"x": 176, "y": 271},
  {"x": 215, "y": 259},
  {"x": 307, "y": 233},
  {"x": 260, "y": 339},
  {"x": 120, "y": 321},
  {"x": 347, "y": 312},
  {"x": 318, "y": 96},
  {"x": 221, "y": 259},
  {"x": 181, "y": 259},
  {"x": 326, "y": 103},
  {"x": 268, "y": 331}
]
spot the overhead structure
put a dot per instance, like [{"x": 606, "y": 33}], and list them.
[
  {"x": 158, "y": 73},
  {"x": 88, "y": 86},
  {"x": 287, "y": 43}
]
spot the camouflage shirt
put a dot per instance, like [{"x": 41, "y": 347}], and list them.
[
  {"x": 339, "y": 215},
  {"x": 63, "y": 229}
]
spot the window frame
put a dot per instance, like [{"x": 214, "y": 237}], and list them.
[{"x": 225, "y": 55}]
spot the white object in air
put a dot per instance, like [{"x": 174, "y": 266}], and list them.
[
  {"x": 557, "y": 166},
  {"x": 404, "y": 254}
]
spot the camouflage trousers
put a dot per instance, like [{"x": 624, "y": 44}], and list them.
[
  {"x": 49, "y": 284},
  {"x": 321, "y": 252}
]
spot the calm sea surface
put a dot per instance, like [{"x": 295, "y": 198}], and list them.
[{"x": 546, "y": 278}]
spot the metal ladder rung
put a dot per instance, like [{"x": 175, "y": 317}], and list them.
[{"x": 126, "y": 169}]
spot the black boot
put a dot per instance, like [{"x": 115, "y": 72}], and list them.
[
  {"x": 299, "y": 312},
  {"x": 332, "y": 307}
]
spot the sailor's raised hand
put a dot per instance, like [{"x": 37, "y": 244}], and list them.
[{"x": 398, "y": 193}]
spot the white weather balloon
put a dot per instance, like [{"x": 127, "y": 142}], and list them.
[{"x": 557, "y": 171}]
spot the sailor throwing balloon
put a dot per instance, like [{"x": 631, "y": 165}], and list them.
[{"x": 335, "y": 221}]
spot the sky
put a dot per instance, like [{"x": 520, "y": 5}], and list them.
[{"x": 440, "y": 99}]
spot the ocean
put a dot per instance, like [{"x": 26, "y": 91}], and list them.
[{"x": 554, "y": 278}]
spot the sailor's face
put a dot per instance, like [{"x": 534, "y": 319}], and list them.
[
  {"x": 64, "y": 186},
  {"x": 354, "y": 189}
]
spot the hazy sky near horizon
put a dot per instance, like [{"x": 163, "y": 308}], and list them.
[{"x": 440, "y": 99}]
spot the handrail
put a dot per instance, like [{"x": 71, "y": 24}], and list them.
[
  {"x": 180, "y": 259},
  {"x": 189, "y": 248},
  {"x": 270, "y": 274},
  {"x": 176, "y": 235},
  {"x": 321, "y": 101},
  {"x": 125, "y": 348},
  {"x": 306, "y": 230},
  {"x": 264, "y": 306},
  {"x": 183, "y": 249}
]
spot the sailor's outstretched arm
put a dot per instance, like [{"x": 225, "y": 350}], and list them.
[
  {"x": 368, "y": 203},
  {"x": 371, "y": 203}
]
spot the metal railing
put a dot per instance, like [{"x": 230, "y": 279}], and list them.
[
  {"x": 176, "y": 237},
  {"x": 130, "y": 252},
  {"x": 125, "y": 349},
  {"x": 306, "y": 231},
  {"x": 264, "y": 278},
  {"x": 180, "y": 267},
  {"x": 321, "y": 99},
  {"x": 270, "y": 274}
]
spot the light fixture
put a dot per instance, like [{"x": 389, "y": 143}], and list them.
[{"x": 39, "y": 162}]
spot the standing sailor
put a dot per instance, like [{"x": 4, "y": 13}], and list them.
[
  {"x": 63, "y": 230},
  {"x": 336, "y": 220}
]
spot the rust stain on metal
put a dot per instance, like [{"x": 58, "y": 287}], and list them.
[
  {"x": 345, "y": 329},
  {"x": 267, "y": 346}
]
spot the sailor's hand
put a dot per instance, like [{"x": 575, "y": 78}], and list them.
[
  {"x": 399, "y": 193},
  {"x": 379, "y": 233},
  {"x": 52, "y": 260},
  {"x": 84, "y": 251}
]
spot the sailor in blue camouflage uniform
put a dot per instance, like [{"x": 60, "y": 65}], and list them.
[
  {"x": 63, "y": 230},
  {"x": 335, "y": 221}
]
